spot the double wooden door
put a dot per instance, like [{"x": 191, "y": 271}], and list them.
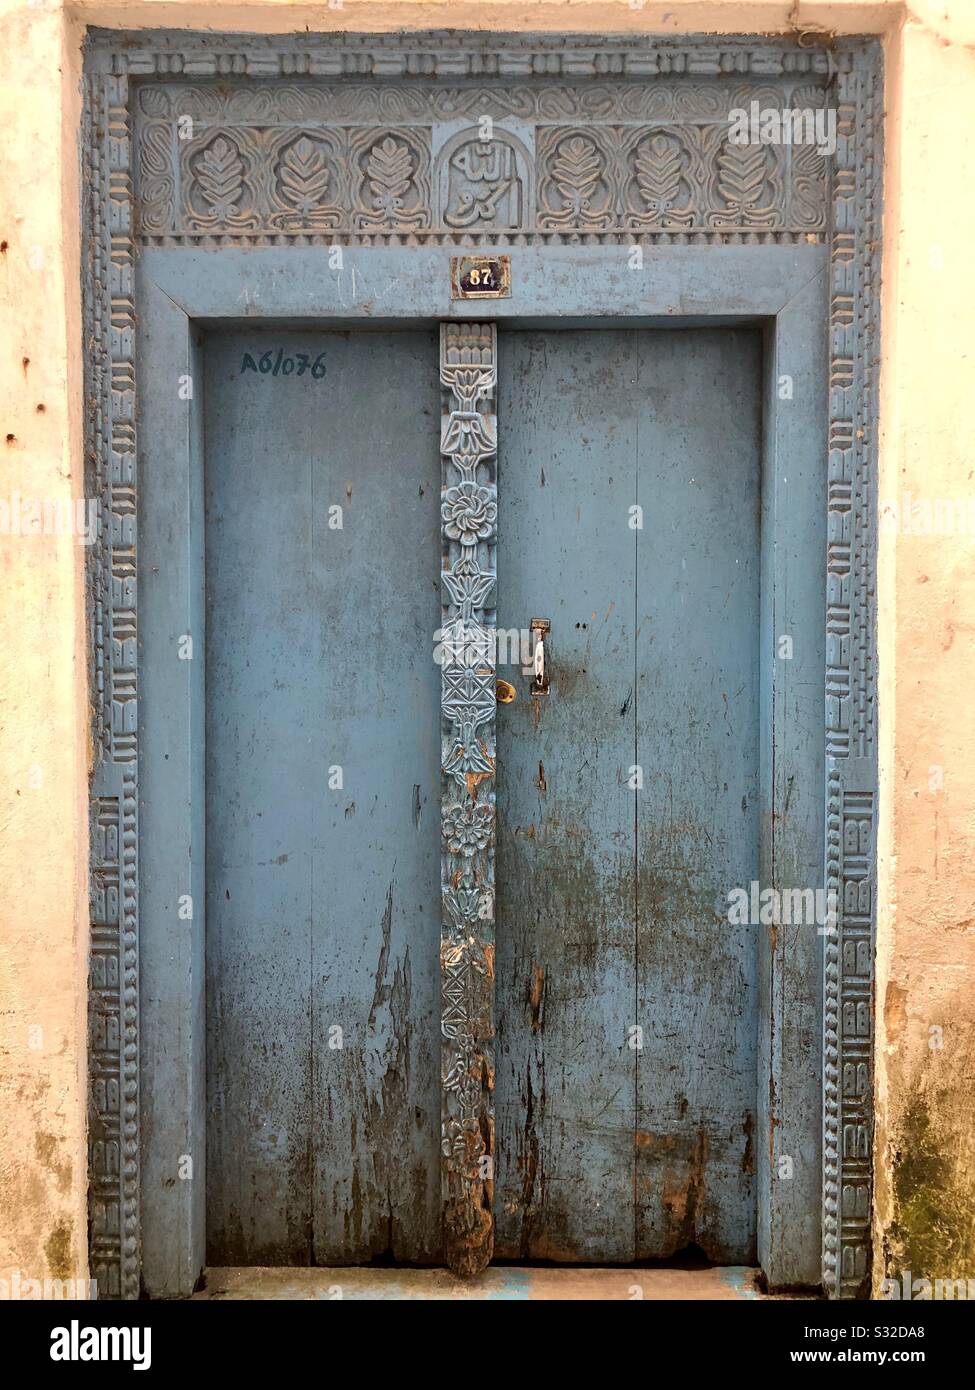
[{"x": 627, "y": 797}]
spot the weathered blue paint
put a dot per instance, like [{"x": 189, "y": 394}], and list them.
[
  {"x": 794, "y": 538},
  {"x": 629, "y": 796},
  {"x": 171, "y": 840},
  {"x": 323, "y": 777},
  {"x": 277, "y": 282},
  {"x": 141, "y": 1110}
]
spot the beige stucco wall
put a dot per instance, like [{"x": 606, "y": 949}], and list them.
[
  {"x": 42, "y": 682},
  {"x": 925, "y": 1206},
  {"x": 926, "y": 1092}
]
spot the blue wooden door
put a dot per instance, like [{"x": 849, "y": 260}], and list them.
[
  {"x": 323, "y": 798},
  {"x": 625, "y": 1001},
  {"x": 629, "y": 483}
]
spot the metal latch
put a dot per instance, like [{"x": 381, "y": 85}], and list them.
[
  {"x": 541, "y": 627},
  {"x": 504, "y": 692}
]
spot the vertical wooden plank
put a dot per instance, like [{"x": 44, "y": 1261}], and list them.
[
  {"x": 469, "y": 507},
  {"x": 375, "y": 877},
  {"x": 172, "y": 895},
  {"x": 609, "y": 1150},
  {"x": 264, "y": 772},
  {"x": 324, "y": 819},
  {"x": 568, "y": 425},
  {"x": 794, "y": 658},
  {"x": 697, "y": 729}
]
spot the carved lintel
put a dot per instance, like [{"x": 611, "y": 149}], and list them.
[{"x": 652, "y": 161}]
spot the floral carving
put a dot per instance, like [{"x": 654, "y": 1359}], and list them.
[
  {"x": 389, "y": 169},
  {"x": 468, "y": 585},
  {"x": 393, "y": 181},
  {"x": 469, "y": 510},
  {"x": 467, "y": 827},
  {"x": 576, "y": 171},
  {"x": 304, "y": 175},
  {"x": 307, "y": 185},
  {"x": 743, "y": 185},
  {"x": 576, "y": 189},
  {"x": 469, "y": 513},
  {"x": 464, "y": 905},
  {"x": 324, "y": 160},
  {"x": 219, "y": 174},
  {"x": 658, "y": 169}
]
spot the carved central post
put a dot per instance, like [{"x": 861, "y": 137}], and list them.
[{"x": 469, "y": 515}]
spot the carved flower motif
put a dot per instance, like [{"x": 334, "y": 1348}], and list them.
[
  {"x": 467, "y": 828},
  {"x": 390, "y": 169},
  {"x": 304, "y": 176},
  {"x": 576, "y": 170},
  {"x": 220, "y": 175},
  {"x": 469, "y": 513}
]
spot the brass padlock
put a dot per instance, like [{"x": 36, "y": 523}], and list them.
[{"x": 504, "y": 692}]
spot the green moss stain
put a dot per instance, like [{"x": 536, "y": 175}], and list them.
[
  {"x": 933, "y": 1232},
  {"x": 47, "y": 1149},
  {"x": 57, "y": 1248}
]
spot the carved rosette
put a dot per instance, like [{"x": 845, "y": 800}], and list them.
[{"x": 469, "y": 510}]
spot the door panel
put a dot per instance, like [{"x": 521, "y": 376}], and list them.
[
  {"x": 697, "y": 727},
  {"x": 613, "y": 904},
  {"x": 566, "y": 1093},
  {"x": 323, "y": 900}
]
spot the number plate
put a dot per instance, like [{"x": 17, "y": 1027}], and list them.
[{"x": 480, "y": 277}]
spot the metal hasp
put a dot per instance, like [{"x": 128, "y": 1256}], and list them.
[
  {"x": 469, "y": 515},
  {"x": 540, "y": 680}
]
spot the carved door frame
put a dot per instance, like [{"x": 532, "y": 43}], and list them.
[{"x": 298, "y": 144}]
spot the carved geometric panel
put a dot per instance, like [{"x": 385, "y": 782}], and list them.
[
  {"x": 355, "y": 162},
  {"x": 469, "y": 514}
]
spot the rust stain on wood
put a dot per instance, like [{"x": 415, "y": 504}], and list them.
[
  {"x": 683, "y": 1198},
  {"x": 748, "y": 1157},
  {"x": 536, "y": 991},
  {"x": 474, "y": 779}
]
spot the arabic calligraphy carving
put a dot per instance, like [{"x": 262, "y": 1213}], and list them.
[{"x": 484, "y": 183}]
